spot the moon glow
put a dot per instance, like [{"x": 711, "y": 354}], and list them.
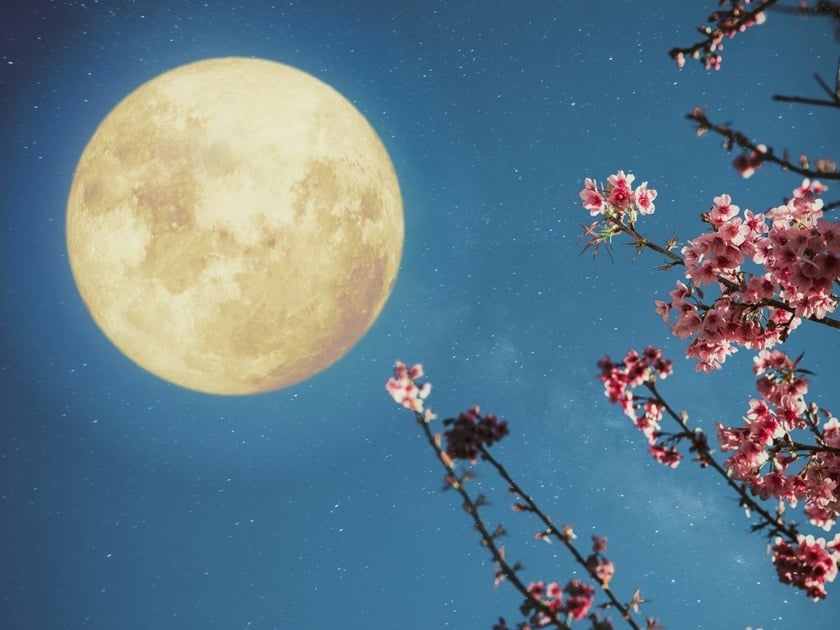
[{"x": 234, "y": 226}]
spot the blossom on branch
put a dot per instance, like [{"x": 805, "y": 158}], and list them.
[{"x": 404, "y": 390}]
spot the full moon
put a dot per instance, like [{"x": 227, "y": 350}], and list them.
[{"x": 234, "y": 226}]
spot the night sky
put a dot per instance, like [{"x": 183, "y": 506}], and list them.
[{"x": 130, "y": 503}]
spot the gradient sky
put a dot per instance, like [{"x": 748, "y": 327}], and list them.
[{"x": 129, "y": 503}]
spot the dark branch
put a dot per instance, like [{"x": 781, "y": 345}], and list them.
[
  {"x": 833, "y": 95},
  {"x": 805, "y": 101}
]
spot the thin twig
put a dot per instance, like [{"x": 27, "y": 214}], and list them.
[{"x": 806, "y": 101}]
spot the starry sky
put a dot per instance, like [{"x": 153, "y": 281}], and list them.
[{"x": 130, "y": 503}]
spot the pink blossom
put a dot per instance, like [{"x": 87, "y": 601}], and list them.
[
  {"x": 722, "y": 210},
  {"x": 820, "y": 516},
  {"x": 620, "y": 180},
  {"x": 688, "y": 322},
  {"x": 621, "y": 197},
  {"x": 554, "y": 591},
  {"x": 644, "y": 197},
  {"x": 712, "y": 62},
  {"x": 404, "y": 390},
  {"x": 664, "y": 309},
  {"x": 809, "y": 188},
  {"x": 592, "y": 198}
]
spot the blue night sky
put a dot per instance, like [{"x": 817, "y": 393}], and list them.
[{"x": 130, "y": 503}]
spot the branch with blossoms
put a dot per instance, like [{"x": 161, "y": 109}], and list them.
[
  {"x": 764, "y": 451},
  {"x": 755, "y": 155},
  {"x": 799, "y": 254},
  {"x": 734, "y": 17},
  {"x": 795, "y": 251},
  {"x": 726, "y": 24},
  {"x": 467, "y": 440}
]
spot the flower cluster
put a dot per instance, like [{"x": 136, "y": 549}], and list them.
[
  {"x": 798, "y": 255},
  {"x": 764, "y": 449},
  {"x": 620, "y": 379},
  {"x": 470, "y": 432},
  {"x": 576, "y": 604},
  {"x": 404, "y": 390},
  {"x": 618, "y": 199},
  {"x": 808, "y": 565}
]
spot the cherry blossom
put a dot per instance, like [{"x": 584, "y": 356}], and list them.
[
  {"x": 593, "y": 199},
  {"x": 404, "y": 390},
  {"x": 644, "y": 199}
]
